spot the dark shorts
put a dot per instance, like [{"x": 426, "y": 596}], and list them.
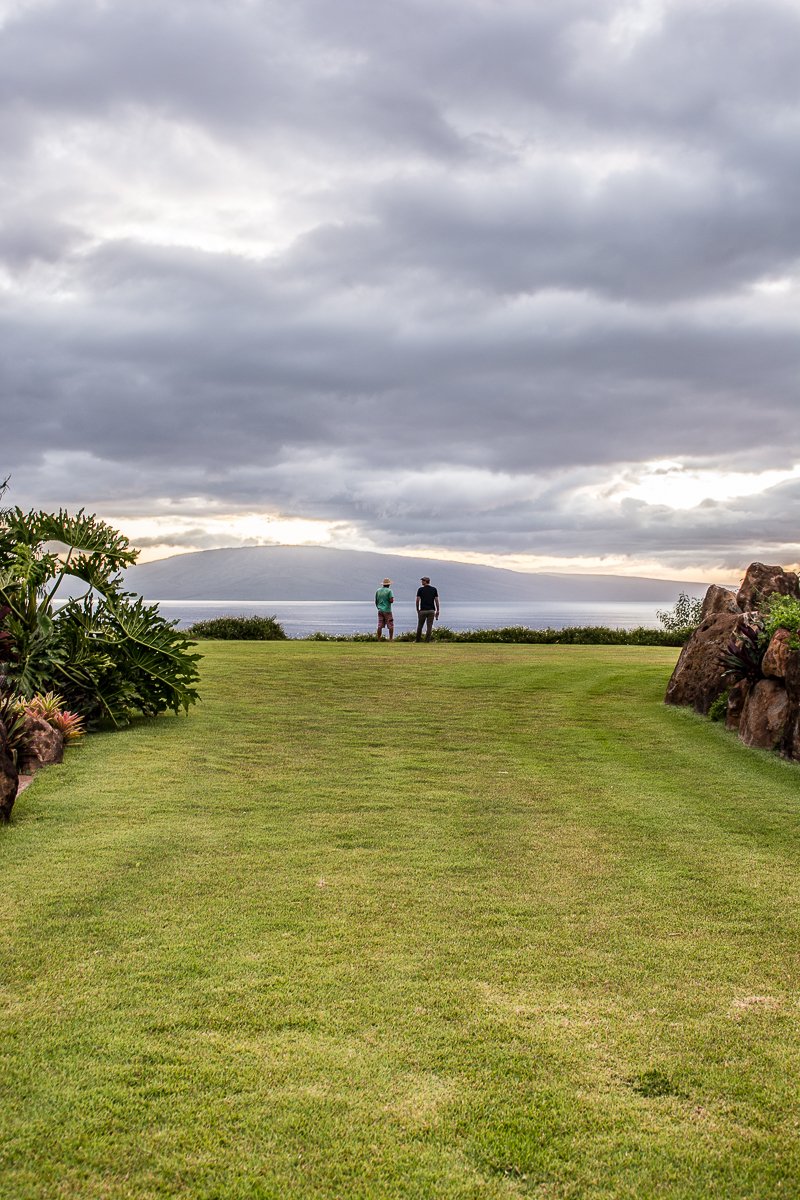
[{"x": 385, "y": 620}]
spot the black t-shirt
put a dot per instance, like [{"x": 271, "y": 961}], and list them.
[{"x": 427, "y": 595}]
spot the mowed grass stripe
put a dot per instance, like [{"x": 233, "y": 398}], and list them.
[{"x": 446, "y": 921}]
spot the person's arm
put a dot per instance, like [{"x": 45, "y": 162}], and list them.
[
  {"x": 417, "y": 600},
  {"x": 436, "y": 605}
]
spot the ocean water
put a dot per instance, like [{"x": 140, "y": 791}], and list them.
[{"x": 301, "y": 617}]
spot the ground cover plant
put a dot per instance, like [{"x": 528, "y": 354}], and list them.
[{"x": 405, "y": 921}]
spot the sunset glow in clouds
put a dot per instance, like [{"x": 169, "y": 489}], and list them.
[{"x": 471, "y": 279}]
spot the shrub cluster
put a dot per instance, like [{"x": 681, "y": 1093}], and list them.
[
  {"x": 576, "y": 635},
  {"x": 684, "y": 617},
  {"x": 783, "y": 612},
  {"x": 244, "y": 629},
  {"x": 106, "y": 652}
]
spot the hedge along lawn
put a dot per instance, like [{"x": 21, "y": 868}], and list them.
[{"x": 405, "y": 921}]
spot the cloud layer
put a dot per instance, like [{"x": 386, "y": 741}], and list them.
[{"x": 444, "y": 276}]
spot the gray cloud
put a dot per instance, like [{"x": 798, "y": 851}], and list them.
[{"x": 273, "y": 255}]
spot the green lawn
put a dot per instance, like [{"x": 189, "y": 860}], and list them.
[{"x": 405, "y": 921}]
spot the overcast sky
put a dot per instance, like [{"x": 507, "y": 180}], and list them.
[{"x": 516, "y": 281}]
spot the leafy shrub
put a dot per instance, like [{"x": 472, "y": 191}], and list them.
[
  {"x": 719, "y": 707},
  {"x": 107, "y": 653},
  {"x": 783, "y": 612},
  {"x": 684, "y": 617},
  {"x": 245, "y": 629},
  {"x": 575, "y": 635}
]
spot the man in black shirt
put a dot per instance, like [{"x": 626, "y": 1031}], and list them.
[{"x": 427, "y": 608}]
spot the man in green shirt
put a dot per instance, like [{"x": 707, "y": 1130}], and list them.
[{"x": 383, "y": 602}]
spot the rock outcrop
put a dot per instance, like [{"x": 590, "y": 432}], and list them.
[
  {"x": 9, "y": 778},
  {"x": 699, "y": 675},
  {"x": 779, "y": 651},
  {"x": 759, "y": 583},
  {"x": 764, "y": 707},
  {"x": 719, "y": 600},
  {"x": 42, "y": 744},
  {"x": 736, "y": 698},
  {"x": 765, "y": 715}
]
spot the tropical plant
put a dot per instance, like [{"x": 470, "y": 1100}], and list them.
[
  {"x": 745, "y": 650},
  {"x": 684, "y": 617},
  {"x": 70, "y": 725},
  {"x": 107, "y": 653},
  {"x": 12, "y": 726},
  {"x": 50, "y": 707},
  {"x": 46, "y": 705}
]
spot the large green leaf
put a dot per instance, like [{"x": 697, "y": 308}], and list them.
[{"x": 109, "y": 653}]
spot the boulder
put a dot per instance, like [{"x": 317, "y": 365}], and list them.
[
  {"x": 765, "y": 714},
  {"x": 718, "y": 600},
  {"x": 792, "y": 741},
  {"x": 699, "y": 675},
  {"x": 761, "y": 581},
  {"x": 9, "y": 778},
  {"x": 791, "y": 675},
  {"x": 736, "y": 698},
  {"x": 41, "y": 745},
  {"x": 777, "y": 654}
]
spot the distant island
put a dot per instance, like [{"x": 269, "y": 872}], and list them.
[{"x": 320, "y": 573}]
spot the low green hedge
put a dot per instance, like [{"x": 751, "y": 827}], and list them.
[
  {"x": 245, "y": 629},
  {"x": 575, "y": 635}
]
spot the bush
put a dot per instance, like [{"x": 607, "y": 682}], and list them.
[
  {"x": 576, "y": 635},
  {"x": 107, "y": 653},
  {"x": 240, "y": 629},
  {"x": 684, "y": 617},
  {"x": 719, "y": 707},
  {"x": 783, "y": 612}
]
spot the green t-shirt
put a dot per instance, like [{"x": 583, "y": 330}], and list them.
[{"x": 383, "y": 599}]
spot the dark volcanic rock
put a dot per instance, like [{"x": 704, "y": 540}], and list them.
[
  {"x": 736, "y": 698},
  {"x": 9, "y": 778},
  {"x": 761, "y": 581},
  {"x": 791, "y": 675},
  {"x": 765, "y": 715},
  {"x": 42, "y": 745},
  {"x": 699, "y": 675},
  {"x": 778, "y": 653},
  {"x": 718, "y": 600},
  {"x": 9, "y": 785},
  {"x": 792, "y": 740}
]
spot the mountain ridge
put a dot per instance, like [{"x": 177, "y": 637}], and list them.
[{"x": 269, "y": 573}]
